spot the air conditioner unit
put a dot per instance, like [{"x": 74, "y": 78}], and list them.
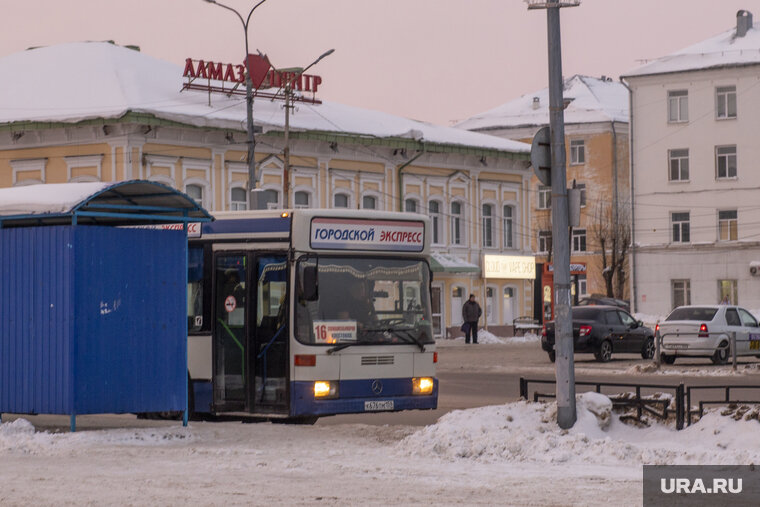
[{"x": 754, "y": 270}]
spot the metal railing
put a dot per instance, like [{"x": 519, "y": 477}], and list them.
[
  {"x": 641, "y": 403},
  {"x": 726, "y": 399},
  {"x": 659, "y": 346},
  {"x": 682, "y": 397}
]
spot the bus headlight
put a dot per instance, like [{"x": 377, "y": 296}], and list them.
[
  {"x": 422, "y": 385},
  {"x": 324, "y": 389}
]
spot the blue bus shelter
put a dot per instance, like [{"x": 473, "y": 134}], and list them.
[{"x": 93, "y": 315}]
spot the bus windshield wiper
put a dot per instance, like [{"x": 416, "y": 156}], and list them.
[
  {"x": 405, "y": 334},
  {"x": 408, "y": 334}
]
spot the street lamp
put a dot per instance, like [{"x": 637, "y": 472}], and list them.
[
  {"x": 287, "y": 89},
  {"x": 252, "y": 180}
]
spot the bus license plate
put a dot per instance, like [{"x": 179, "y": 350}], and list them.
[{"x": 371, "y": 406}]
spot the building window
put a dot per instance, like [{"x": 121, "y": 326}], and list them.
[
  {"x": 544, "y": 197},
  {"x": 678, "y": 106},
  {"x": 340, "y": 201},
  {"x": 579, "y": 240},
  {"x": 582, "y": 188},
  {"x": 544, "y": 241},
  {"x": 508, "y": 232},
  {"x": 410, "y": 206},
  {"x": 456, "y": 223},
  {"x": 266, "y": 199},
  {"x": 725, "y": 98},
  {"x": 238, "y": 199},
  {"x": 679, "y": 165},
  {"x": 728, "y": 292},
  {"x": 577, "y": 152},
  {"x": 582, "y": 285},
  {"x": 727, "y": 225},
  {"x": 725, "y": 162},
  {"x": 487, "y": 225},
  {"x": 680, "y": 292},
  {"x": 301, "y": 199},
  {"x": 434, "y": 210},
  {"x": 369, "y": 202},
  {"x": 196, "y": 193},
  {"x": 680, "y": 226}
]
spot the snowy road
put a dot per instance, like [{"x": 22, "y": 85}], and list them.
[{"x": 507, "y": 454}]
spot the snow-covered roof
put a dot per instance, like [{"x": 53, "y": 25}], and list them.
[
  {"x": 722, "y": 50},
  {"x": 90, "y": 80},
  {"x": 592, "y": 100},
  {"x": 114, "y": 203}
]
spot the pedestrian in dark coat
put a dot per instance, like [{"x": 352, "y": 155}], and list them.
[{"x": 471, "y": 312}]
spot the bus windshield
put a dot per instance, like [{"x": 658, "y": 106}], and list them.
[{"x": 365, "y": 301}]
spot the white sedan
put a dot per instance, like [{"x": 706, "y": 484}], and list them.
[{"x": 705, "y": 331}]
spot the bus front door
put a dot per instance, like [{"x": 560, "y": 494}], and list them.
[
  {"x": 230, "y": 331},
  {"x": 269, "y": 353}
]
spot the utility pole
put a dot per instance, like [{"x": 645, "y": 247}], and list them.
[
  {"x": 563, "y": 318},
  {"x": 251, "y": 158}
]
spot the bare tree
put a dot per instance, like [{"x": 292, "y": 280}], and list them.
[{"x": 611, "y": 231}]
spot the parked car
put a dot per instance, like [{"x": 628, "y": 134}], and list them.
[
  {"x": 602, "y": 330},
  {"x": 705, "y": 331},
  {"x": 598, "y": 299}
]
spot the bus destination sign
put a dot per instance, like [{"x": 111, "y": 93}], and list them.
[{"x": 352, "y": 234}]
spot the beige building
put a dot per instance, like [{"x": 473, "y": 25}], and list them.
[
  {"x": 113, "y": 113},
  {"x": 596, "y": 140}
]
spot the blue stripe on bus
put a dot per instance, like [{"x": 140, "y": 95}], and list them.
[
  {"x": 252, "y": 225},
  {"x": 353, "y": 394}
]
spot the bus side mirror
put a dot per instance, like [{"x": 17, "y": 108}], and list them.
[{"x": 310, "y": 288}]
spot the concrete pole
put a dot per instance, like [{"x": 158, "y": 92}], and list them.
[{"x": 563, "y": 323}]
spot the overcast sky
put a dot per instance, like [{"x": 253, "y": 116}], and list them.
[{"x": 434, "y": 60}]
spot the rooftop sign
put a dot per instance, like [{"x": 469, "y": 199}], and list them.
[{"x": 228, "y": 78}]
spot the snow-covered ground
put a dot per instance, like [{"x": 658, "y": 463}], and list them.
[
  {"x": 511, "y": 454},
  {"x": 488, "y": 338}
]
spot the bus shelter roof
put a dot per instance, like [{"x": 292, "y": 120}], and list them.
[{"x": 135, "y": 202}]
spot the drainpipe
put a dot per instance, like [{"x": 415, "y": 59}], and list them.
[
  {"x": 634, "y": 300},
  {"x": 399, "y": 176}
]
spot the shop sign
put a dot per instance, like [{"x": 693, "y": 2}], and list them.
[
  {"x": 347, "y": 234},
  {"x": 261, "y": 71},
  {"x": 521, "y": 267}
]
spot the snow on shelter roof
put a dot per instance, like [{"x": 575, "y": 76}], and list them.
[
  {"x": 591, "y": 100},
  {"x": 122, "y": 203},
  {"x": 100, "y": 80},
  {"x": 725, "y": 49}
]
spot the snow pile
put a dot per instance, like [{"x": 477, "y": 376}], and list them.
[
  {"x": 20, "y": 437},
  {"x": 526, "y": 432},
  {"x": 488, "y": 338},
  {"x": 694, "y": 370}
]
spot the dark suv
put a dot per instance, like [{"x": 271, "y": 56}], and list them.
[{"x": 603, "y": 330}]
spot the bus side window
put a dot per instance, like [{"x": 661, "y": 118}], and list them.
[{"x": 195, "y": 289}]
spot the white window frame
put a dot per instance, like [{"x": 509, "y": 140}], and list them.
[
  {"x": 488, "y": 222},
  {"x": 415, "y": 202},
  {"x": 680, "y": 156},
  {"x": 678, "y": 106},
  {"x": 682, "y": 285},
  {"x": 77, "y": 161},
  {"x": 436, "y": 223},
  {"x": 309, "y": 197},
  {"x": 245, "y": 203},
  {"x": 543, "y": 241},
  {"x": 458, "y": 220},
  {"x": 544, "y": 197},
  {"x": 28, "y": 165},
  {"x": 725, "y": 224},
  {"x": 508, "y": 236},
  {"x": 344, "y": 194},
  {"x": 724, "y": 155},
  {"x": 194, "y": 182},
  {"x": 577, "y": 152},
  {"x": 723, "y": 100},
  {"x": 582, "y": 188},
  {"x": 679, "y": 226},
  {"x": 579, "y": 240}
]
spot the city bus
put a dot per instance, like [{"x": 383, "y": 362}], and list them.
[{"x": 298, "y": 314}]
